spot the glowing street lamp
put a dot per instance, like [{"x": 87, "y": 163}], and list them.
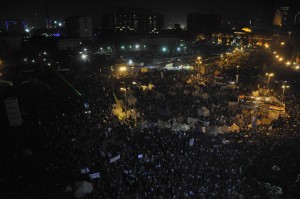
[
  {"x": 269, "y": 75},
  {"x": 280, "y": 59},
  {"x": 288, "y": 63},
  {"x": 123, "y": 69},
  {"x": 84, "y": 57}
]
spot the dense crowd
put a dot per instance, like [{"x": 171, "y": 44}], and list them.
[{"x": 70, "y": 132}]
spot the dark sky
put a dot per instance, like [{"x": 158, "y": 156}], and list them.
[{"x": 175, "y": 11}]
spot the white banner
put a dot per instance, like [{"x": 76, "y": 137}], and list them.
[
  {"x": 140, "y": 156},
  {"x": 94, "y": 175},
  {"x": 114, "y": 159},
  {"x": 13, "y": 112}
]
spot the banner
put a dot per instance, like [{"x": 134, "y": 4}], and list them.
[
  {"x": 94, "y": 175},
  {"x": 140, "y": 156},
  {"x": 13, "y": 112},
  {"x": 114, "y": 159}
]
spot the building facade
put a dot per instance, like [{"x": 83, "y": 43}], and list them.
[
  {"x": 133, "y": 20},
  {"x": 79, "y": 27}
]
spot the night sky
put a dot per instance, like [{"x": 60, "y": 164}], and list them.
[{"x": 175, "y": 11}]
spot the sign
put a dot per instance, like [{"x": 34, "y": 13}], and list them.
[
  {"x": 94, "y": 175},
  {"x": 13, "y": 112},
  {"x": 114, "y": 159}
]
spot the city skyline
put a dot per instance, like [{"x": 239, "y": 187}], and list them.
[{"x": 174, "y": 12}]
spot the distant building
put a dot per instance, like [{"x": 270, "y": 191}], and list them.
[
  {"x": 17, "y": 26},
  {"x": 133, "y": 20},
  {"x": 297, "y": 19},
  {"x": 278, "y": 18},
  {"x": 68, "y": 44},
  {"x": 285, "y": 17},
  {"x": 203, "y": 23},
  {"x": 79, "y": 27}
]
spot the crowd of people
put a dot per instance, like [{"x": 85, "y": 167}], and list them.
[{"x": 70, "y": 131}]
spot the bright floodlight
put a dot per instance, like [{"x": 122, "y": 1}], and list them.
[
  {"x": 178, "y": 49},
  {"x": 137, "y": 46},
  {"x": 164, "y": 49},
  {"x": 59, "y": 24},
  {"x": 27, "y": 30},
  {"x": 83, "y": 56},
  {"x": 122, "y": 69},
  {"x": 130, "y": 62},
  {"x": 123, "y": 47},
  {"x": 85, "y": 49}
]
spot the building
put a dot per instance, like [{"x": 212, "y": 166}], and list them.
[
  {"x": 68, "y": 44},
  {"x": 79, "y": 27},
  {"x": 136, "y": 20},
  {"x": 203, "y": 23},
  {"x": 285, "y": 17},
  {"x": 17, "y": 26},
  {"x": 297, "y": 19},
  {"x": 278, "y": 18}
]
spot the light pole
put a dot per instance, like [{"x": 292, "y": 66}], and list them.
[
  {"x": 237, "y": 74},
  {"x": 198, "y": 62},
  {"x": 283, "y": 90},
  {"x": 269, "y": 75},
  {"x": 124, "y": 89}
]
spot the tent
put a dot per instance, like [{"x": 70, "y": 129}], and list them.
[
  {"x": 131, "y": 100},
  {"x": 234, "y": 128},
  {"x": 180, "y": 119},
  {"x": 205, "y": 96},
  {"x": 83, "y": 188},
  {"x": 214, "y": 131},
  {"x": 203, "y": 112}
]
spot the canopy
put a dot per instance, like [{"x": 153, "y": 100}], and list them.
[
  {"x": 83, "y": 188},
  {"x": 203, "y": 112},
  {"x": 214, "y": 131}
]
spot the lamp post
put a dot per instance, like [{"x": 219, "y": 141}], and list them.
[
  {"x": 124, "y": 89},
  {"x": 283, "y": 90},
  {"x": 237, "y": 74},
  {"x": 198, "y": 62},
  {"x": 269, "y": 75}
]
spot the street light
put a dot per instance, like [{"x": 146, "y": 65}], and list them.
[
  {"x": 269, "y": 75},
  {"x": 125, "y": 90},
  {"x": 237, "y": 74},
  {"x": 198, "y": 62},
  {"x": 283, "y": 90}
]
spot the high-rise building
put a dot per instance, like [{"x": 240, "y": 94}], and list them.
[
  {"x": 285, "y": 17},
  {"x": 133, "y": 20},
  {"x": 202, "y": 23},
  {"x": 278, "y": 18},
  {"x": 15, "y": 26},
  {"x": 297, "y": 19},
  {"x": 79, "y": 27}
]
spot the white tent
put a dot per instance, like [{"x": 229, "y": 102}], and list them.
[
  {"x": 83, "y": 188},
  {"x": 203, "y": 112},
  {"x": 214, "y": 131}
]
